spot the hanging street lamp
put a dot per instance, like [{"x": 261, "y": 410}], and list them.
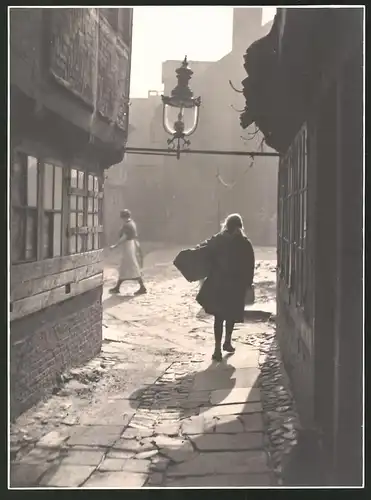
[
  {"x": 181, "y": 111},
  {"x": 180, "y": 119}
]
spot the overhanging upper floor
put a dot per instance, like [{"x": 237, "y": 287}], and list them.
[
  {"x": 291, "y": 66},
  {"x": 73, "y": 68}
]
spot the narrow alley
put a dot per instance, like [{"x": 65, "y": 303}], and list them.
[
  {"x": 239, "y": 361},
  {"x": 153, "y": 409}
]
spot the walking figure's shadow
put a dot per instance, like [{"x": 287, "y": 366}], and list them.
[{"x": 192, "y": 457}]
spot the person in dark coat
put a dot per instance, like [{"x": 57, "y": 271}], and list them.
[{"x": 222, "y": 294}]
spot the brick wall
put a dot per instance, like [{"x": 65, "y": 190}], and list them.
[{"x": 45, "y": 344}]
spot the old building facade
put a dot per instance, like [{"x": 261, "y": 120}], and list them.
[
  {"x": 305, "y": 92},
  {"x": 158, "y": 189},
  {"x": 69, "y": 93}
]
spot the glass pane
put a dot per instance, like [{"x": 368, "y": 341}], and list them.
[
  {"x": 90, "y": 220},
  {"x": 96, "y": 204},
  {"x": 80, "y": 219},
  {"x": 80, "y": 184},
  {"x": 58, "y": 184},
  {"x": 100, "y": 211},
  {"x": 90, "y": 183},
  {"x": 17, "y": 234},
  {"x": 89, "y": 242},
  {"x": 73, "y": 202},
  {"x": 73, "y": 244},
  {"x": 96, "y": 241},
  {"x": 57, "y": 230},
  {"x": 31, "y": 181},
  {"x": 79, "y": 244},
  {"x": 80, "y": 203},
  {"x": 48, "y": 186},
  {"x": 96, "y": 185},
  {"x": 31, "y": 236},
  {"x": 47, "y": 236},
  {"x": 18, "y": 181},
  {"x": 96, "y": 223},
  {"x": 73, "y": 178},
  {"x": 72, "y": 219},
  {"x": 90, "y": 204}
]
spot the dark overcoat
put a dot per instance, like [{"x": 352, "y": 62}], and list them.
[{"x": 231, "y": 273}]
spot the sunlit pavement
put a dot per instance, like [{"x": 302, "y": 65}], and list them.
[{"x": 152, "y": 410}]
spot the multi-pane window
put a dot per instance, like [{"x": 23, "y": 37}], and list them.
[
  {"x": 24, "y": 215},
  {"x": 292, "y": 217},
  {"x": 52, "y": 219},
  {"x": 54, "y": 210},
  {"x": 77, "y": 205},
  {"x": 85, "y": 212},
  {"x": 94, "y": 213}
]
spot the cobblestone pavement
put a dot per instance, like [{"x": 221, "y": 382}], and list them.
[{"x": 153, "y": 410}]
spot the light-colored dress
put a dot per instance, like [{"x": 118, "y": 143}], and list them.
[{"x": 130, "y": 267}]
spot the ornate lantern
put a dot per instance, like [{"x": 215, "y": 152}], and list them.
[{"x": 181, "y": 111}]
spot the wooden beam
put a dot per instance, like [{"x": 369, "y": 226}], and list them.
[
  {"x": 84, "y": 230},
  {"x": 39, "y": 285},
  {"x": 29, "y": 305},
  {"x": 84, "y": 192},
  {"x": 28, "y": 271}
]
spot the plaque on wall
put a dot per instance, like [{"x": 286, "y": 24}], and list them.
[{"x": 73, "y": 50}]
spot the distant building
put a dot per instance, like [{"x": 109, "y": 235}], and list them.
[
  {"x": 69, "y": 93},
  {"x": 305, "y": 92},
  {"x": 136, "y": 182},
  {"x": 159, "y": 189}
]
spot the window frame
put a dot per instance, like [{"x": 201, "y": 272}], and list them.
[
  {"x": 46, "y": 212},
  {"x": 292, "y": 252},
  {"x": 85, "y": 231},
  {"x": 23, "y": 208}
]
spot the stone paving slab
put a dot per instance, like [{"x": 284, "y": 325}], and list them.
[
  {"x": 53, "y": 439},
  {"x": 137, "y": 466},
  {"x": 116, "y": 480},
  {"x": 120, "y": 454},
  {"x": 244, "y": 357},
  {"x": 76, "y": 456},
  {"x": 97, "y": 435},
  {"x": 228, "y": 424},
  {"x": 112, "y": 464},
  {"x": 220, "y": 480},
  {"x": 239, "y": 395},
  {"x": 228, "y": 442},
  {"x": 197, "y": 425},
  {"x": 253, "y": 422},
  {"x": 67, "y": 475},
  {"x": 133, "y": 445},
  {"x": 40, "y": 455},
  {"x": 169, "y": 429},
  {"x": 25, "y": 475},
  {"x": 226, "y": 379},
  {"x": 233, "y": 409},
  {"x": 114, "y": 412},
  {"x": 221, "y": 463}
]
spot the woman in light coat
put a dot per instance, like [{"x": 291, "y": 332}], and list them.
[{"x": 131, "y": 259}]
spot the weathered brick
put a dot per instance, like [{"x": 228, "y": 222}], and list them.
[{"x": 50, "y": 342}]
